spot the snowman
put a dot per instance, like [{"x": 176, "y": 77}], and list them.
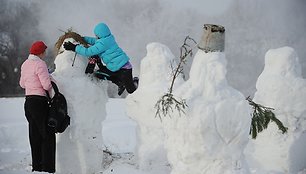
[
  {"x": 79, "y": 148},
  {"x": 211, "y": 137},
  {"x": 282, "y": 87},
  {"x": 155, "y": 73}
]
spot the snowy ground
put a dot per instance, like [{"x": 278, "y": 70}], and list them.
[{"x": 118, "y": 133}]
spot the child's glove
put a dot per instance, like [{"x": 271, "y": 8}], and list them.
[{"x": 69, "y": 46}]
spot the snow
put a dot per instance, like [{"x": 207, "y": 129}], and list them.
[
  {"x": 14, "y": 143},
  {"x": 119, "y": 130},
  {"x": 214, "y": 131},
  {"x": 86, "y": 98},
  {"x": 282, "y": 87},
  {"x": 155, "y": 78},
  {"x": 212, "y": 137},
  {"x": 15, "y": 149}
]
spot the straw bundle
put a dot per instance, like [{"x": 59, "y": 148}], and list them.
[{"x": 68, "y": 34}]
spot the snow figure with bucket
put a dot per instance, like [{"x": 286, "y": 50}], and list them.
[
  {"x": 79, "y": 148},
  {"x": 211, "y": 137}
]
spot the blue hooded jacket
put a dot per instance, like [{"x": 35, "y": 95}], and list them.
[{"x": 105, "y": 47}]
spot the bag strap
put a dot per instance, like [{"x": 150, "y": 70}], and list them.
[{"x": 55, "y": 88}]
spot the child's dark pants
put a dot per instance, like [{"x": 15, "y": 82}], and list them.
[{"x": 120, "y": 77}]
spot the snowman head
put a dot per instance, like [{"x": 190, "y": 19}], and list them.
[{"x": 283, "y": 62}]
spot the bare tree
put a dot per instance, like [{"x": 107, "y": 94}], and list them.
[
  {"x": 18, "y": 29},
  {"x": 167, "y": 102}
]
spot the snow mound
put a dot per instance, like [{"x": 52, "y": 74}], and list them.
[
  {"x": 155, "y": 78},
  {"x": 211, "y": 137},
  {"x": 86, "y": 99},
  {"x": 281, "y": 86}
]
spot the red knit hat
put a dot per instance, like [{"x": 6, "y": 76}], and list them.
[{"x": 38, "y": 47}]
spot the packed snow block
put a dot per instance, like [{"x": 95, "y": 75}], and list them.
[
  {"x": 80, "y": 147},
  {"x": 155, "y": 78},
  {"x": 118, "y": 129},
  {"x": 212, "y": 135},
  {"x": 213, "y": 38},
  {"x": 281, "y": 86}
]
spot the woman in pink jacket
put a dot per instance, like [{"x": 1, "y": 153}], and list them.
[{"x": 35, "y": 79}]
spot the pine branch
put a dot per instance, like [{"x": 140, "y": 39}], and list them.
[
  {"x": 166, "y": 103},
  {"x": 261, "y": 117}
]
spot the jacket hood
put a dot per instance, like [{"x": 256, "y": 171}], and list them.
[{"x": 101, "y": 30}]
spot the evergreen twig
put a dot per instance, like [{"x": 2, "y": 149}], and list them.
[
  {"x": 166, "y": 103},
  {"x": 261, "y": 117}
]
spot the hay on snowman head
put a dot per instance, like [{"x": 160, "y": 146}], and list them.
[{"x": 69, "y": 34}]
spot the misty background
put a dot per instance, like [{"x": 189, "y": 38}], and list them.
[{"x": 252, "y": 28}]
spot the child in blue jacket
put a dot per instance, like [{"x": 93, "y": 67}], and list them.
[{"x": 117, "y": 67}]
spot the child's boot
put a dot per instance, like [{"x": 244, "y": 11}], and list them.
[
  {"x": 121, "y": 89},
  {"x": 135, "y": 81}
]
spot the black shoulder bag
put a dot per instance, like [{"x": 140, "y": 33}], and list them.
[{"x": 58, "y": 114}]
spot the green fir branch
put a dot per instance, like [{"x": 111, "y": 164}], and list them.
[{"x": 261, "y": 117}]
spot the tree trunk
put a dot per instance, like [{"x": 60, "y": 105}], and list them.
[{"x": 213, "y": 38}]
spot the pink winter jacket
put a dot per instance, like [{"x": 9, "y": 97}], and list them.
[{"x": 35, "y": 78}]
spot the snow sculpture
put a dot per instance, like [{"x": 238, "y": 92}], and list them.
[
  {"x": 155, "y": 78},
  {"x": 211, "y": 137},
  {"x": 79, "y": 148},
  {"x": 281, "y": 86}
]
